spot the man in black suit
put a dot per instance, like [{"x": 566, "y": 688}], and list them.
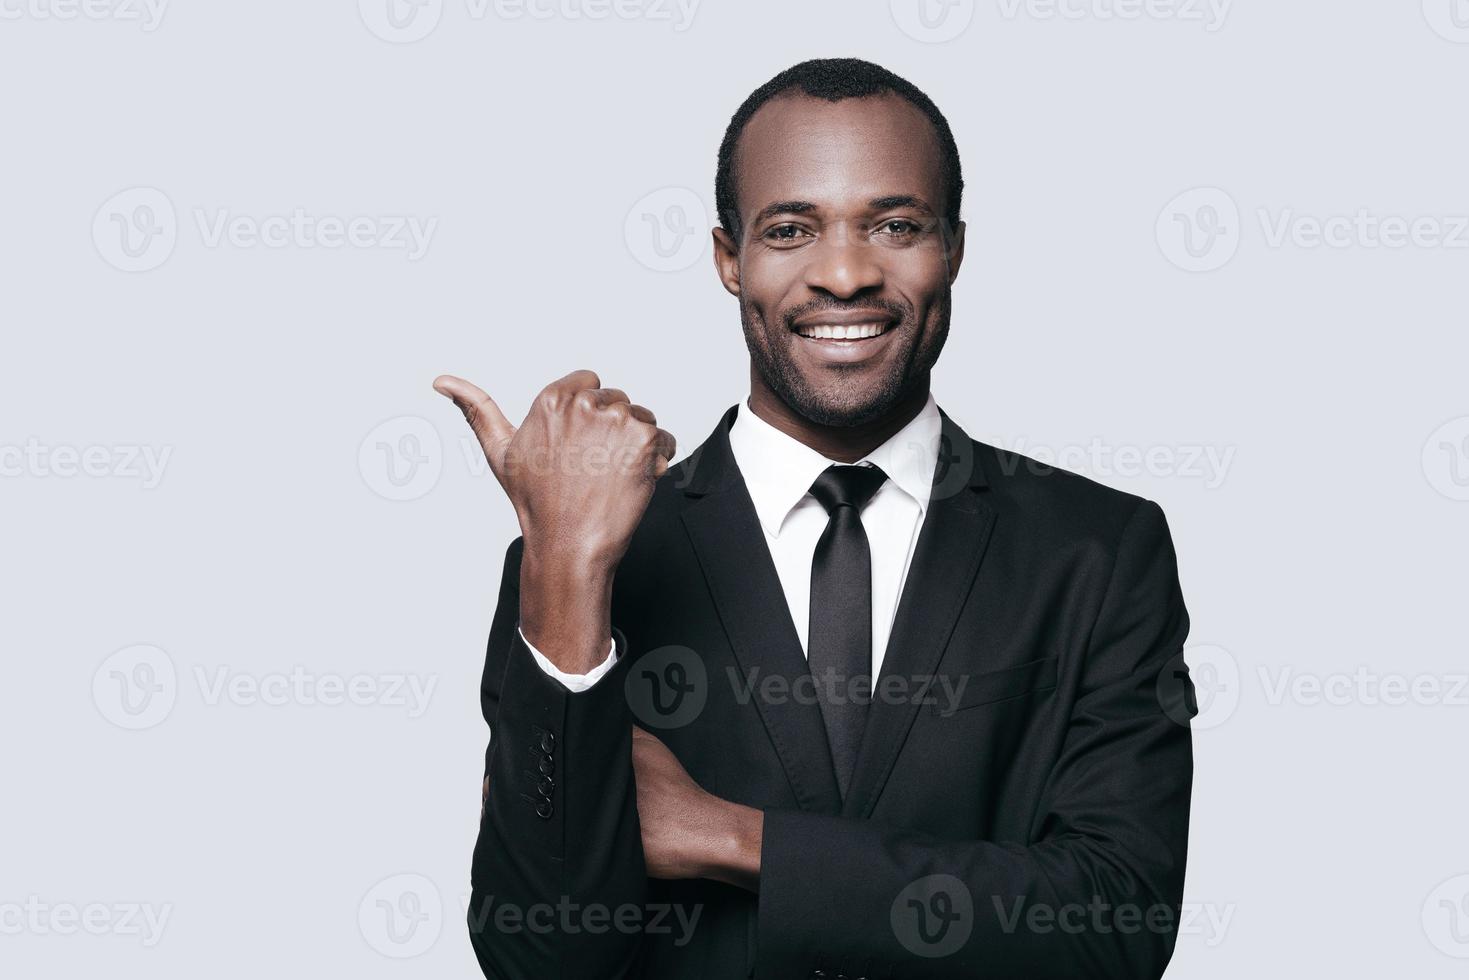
[{"x": 845, "y": 693}]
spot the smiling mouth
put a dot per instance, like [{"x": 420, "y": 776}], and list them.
[{"x": 843, "y": 331}]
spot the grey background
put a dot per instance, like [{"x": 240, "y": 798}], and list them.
[{"x": 1330, "y": 547}]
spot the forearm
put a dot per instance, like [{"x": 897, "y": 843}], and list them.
[
  {"x": 931, "y": 907},
  {"x": 558, "y": 835},
  {"x": 1094, "y": 891},
  {"x": 559, "y": 840}
]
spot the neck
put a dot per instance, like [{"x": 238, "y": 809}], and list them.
[{"x": 843, "y": 443}]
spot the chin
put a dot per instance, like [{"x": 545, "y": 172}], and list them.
[{"x": 842, "y": 406}]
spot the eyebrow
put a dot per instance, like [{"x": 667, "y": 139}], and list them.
[
  {"x": 876, "y": 204},
  {"x": 899, "y": 201}
]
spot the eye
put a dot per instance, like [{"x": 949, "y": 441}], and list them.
[
  {"x": 899, "y": 228},
  {"x": 784, "y": 233}
]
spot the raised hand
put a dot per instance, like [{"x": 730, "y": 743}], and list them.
[{"x": 579, "y": 472}]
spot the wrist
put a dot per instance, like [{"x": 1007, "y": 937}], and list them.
[
  {"x": 733, "y": 853},
  {"x": 566, "y": 608},
  {"x": 575, "y": 563}
]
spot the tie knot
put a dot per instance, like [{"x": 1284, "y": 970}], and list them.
[{"x": 847, "y": 486}]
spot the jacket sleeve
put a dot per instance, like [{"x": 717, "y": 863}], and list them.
[
  {"x": 558, "y": 880},
  {"x": 1096, "y": 893}
]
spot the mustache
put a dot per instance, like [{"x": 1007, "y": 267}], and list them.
[{"x": 898, "y": 311}]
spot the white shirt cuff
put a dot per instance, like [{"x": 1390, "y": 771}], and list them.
[{"x": 574, "y": 682}]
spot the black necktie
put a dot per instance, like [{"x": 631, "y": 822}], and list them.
[{"x": 839, "y": 643}]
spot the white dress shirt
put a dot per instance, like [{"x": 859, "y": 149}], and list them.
[{"x": 778, "y": 472}]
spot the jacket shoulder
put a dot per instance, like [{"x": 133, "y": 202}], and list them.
[{"x": 1045, "y": 495}]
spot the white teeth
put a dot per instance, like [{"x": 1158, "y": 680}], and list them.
[{"x": 852, "y": 331}]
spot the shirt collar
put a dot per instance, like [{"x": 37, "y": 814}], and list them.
[{"x": 779, "y": 470}]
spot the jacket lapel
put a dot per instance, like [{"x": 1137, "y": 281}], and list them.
[
  {"x": 950, "y": 546},
  {"x": 730, "y": 544}
]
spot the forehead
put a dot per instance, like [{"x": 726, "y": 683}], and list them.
[{"x": 836, "y": 154}]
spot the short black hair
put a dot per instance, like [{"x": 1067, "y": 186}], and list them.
[{"x": 835, "y": 79}]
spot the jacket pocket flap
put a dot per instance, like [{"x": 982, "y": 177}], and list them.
[{"x": 996, "y": 685}]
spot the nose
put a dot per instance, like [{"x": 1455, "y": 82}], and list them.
[{"x": 842, "y": 266}]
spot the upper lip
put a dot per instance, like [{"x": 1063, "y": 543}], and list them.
[{"x": 844, "y": 318}]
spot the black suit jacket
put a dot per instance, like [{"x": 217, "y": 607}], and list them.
[{"x": 1034, "y": 825}]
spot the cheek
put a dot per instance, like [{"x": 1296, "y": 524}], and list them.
[
  {"x": 920, "y": 273},
  {"x": 770, "y": 287}
]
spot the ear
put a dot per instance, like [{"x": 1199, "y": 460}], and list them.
[
  {"x": 727, "y": 261},
  {"x": 955, "y": 247}
]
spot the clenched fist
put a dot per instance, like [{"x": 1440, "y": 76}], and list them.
[{"x": 579, "y": 472}]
